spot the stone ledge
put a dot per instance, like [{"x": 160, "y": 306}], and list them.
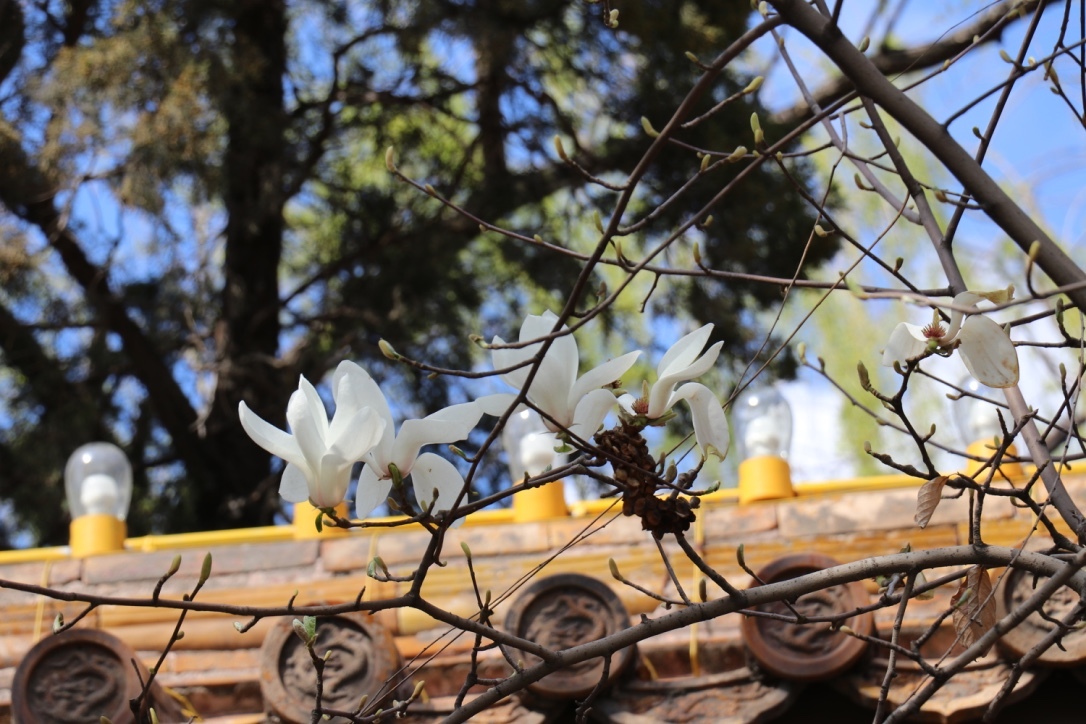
[{"x": 137, "y": 566}]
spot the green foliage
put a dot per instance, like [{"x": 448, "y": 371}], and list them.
[{"x": 227, "y": 222}]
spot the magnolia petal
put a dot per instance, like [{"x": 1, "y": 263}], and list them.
[
  {"x": 999, "y": 296},
  {"x": 496, "y": 405},
  {"x": 601, "y": 376},
  {"x": 661, "y": 391},
  {"x": 302, "y": 417},
  {"x": 590, "y": 412},
  {"x": 294, "y": 487},
  {"x": 371, "y": 492},
  {"x": 450, "y": 424},
  {"x": 557, "y": 372},
  {"x": 967, "y": 301},
  {"x": 358, "y": 435},
  {"x": 502, "y": 358},
  {"x": 710, "y": 422},
  {"x": 316, "y": 405},
  {"x": 963, "y": 303},
  {"x": 685, "y": 351},
  {"x": 988, "y": 353},
  {"x": 354, "y": 388},
  {"x": 271, "y": 438},
  {"x": 330, "y": 486},
  {"x": 906, "y": 342},
  {"x": 434, "y": 474}
]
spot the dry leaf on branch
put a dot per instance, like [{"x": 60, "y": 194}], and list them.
[
  {"x": 927, "y": 499},
  {"x": 974, "y": 606}
]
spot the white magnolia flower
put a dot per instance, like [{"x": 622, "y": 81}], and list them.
[
  {"x": 681, "y": 363},
  {"x": 319, "y": 453},
  {"x": 436, "y": 481},
  {"x": 576, "y": 404},
  {"x": 985, "y": 348}
]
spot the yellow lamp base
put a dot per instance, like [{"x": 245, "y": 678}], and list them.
[
  {"x": 986, "y": 450},
  {"x": 542, "y": 503},
  {"x": 305, "y": 522},
  {"x": 95, "y": 534},
  {"x": 765, "y": 477}
]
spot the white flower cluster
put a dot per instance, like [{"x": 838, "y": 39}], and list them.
[{"x": 320, "y": 453}]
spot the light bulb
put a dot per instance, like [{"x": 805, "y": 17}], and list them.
[
  {"x": 537, "y": 452},
  {"x": 763, "y": 421},
  {"x": 98, "y": 479},
  {"x": 99, "y": 494},
  {"x": 762, "y": 438}
]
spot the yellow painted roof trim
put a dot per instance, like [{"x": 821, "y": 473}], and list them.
[{"x": 269, "y": 534}]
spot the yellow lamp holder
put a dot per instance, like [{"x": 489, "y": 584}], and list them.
[
  {"x": 764, "y": 477},
  {"x": 985, "y": 449},
  {"x": 95, "y": 534},
  {"x": 542, "y": 503}
]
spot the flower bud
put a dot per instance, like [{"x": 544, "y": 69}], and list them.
[
  {"x": 299, "y": 630},
  {"x": 205, "y": 569},
  {"x": 756, "y": 126},
  {"x": 754, "y": 85},
  {"x": 559, "y": 149},
  {"x": 388, "y": 351}
]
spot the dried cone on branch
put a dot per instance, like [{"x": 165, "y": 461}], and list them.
[{"x": 633, "y": 475}]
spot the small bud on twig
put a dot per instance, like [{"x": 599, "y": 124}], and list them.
[
  {"x": 754, "y": 85},
  {"x": 388, "y": 351},
  {"x": 756, "y": 126},
  {"x": 205, "y": 569},
  {"x": 559, "y": 149}
]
